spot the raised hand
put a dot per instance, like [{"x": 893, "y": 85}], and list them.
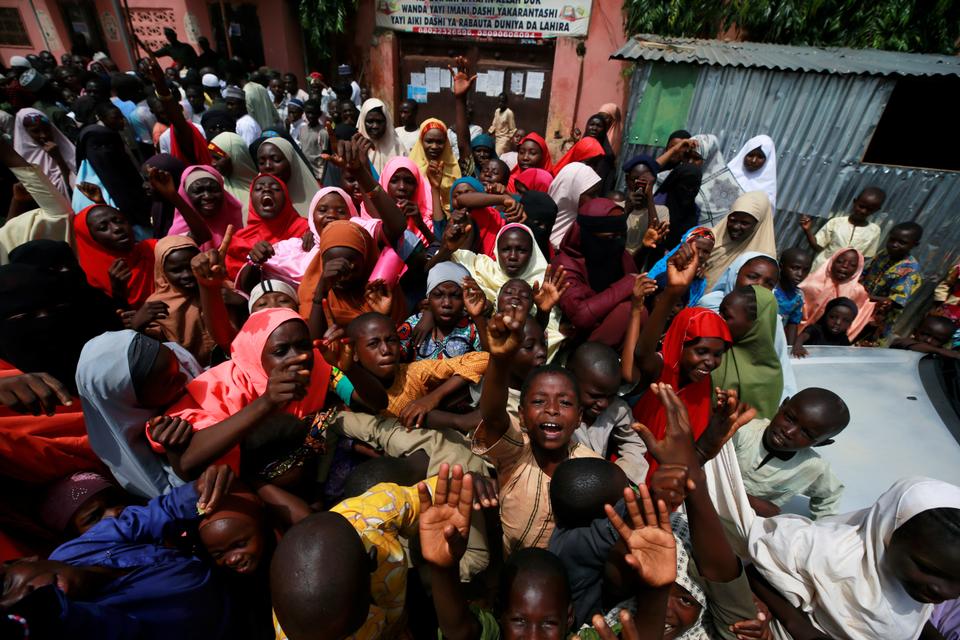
[
  {"x": 656, "y": 233},
  {"x": 805, "y": 222},
  {"x": 162, "y": 182},
  {"x": 333, "y": 271},
  {"x": 150, "y": 311},
  {"x": 671, "y": 484},
  {"x": 52, "y": 150},
  {"x": 33, "y": 393},
  {"x": 455, "y": 236},
  {"x": 120, "y": 275},
  {"x": 547, "y": 295},
  {"x": 505, "y": 333},
  {"x": 288, "y": 381},
  {"x": 486, "y": 491},
  {"x": 92, "y": 191},
  {"x": 209, "y": 267},
  {"x": 474, "y": 300},
  {"x": 497, "y": 188},
  {"x": 729, "y": 414},
  {"x": 682, "y": 268},
  {"x": 642, "y": 287},
  {"x": 629, "y": 629},
  {"x": 514, "y": 211},
  {"x": 379, "y": 298},
  {"x": 462, "y": 81},
  {"x": 173, "y": 434},
  {"x": 677, "y": 446},
  {"x": 335, "y": 347},
  {"x": 651, "y": 547},
  {"x": 445, "y": 519},
  {"x": 261, "y": 252},
  {"x": 307, "y": 241},
  {"x": 211, "y": 486}
]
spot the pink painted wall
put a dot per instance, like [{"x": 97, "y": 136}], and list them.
[
  {"x": 282, "y": 40},
  {"x": 34, "y": 30},
  {"x": 602, "y": 79},
  {"x": 383, "y": 76}
]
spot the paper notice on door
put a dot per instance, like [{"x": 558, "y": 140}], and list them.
[
  {"x": 534, "y": 85},
  {"x": 445, "y": 81},
  {"x": 433, "y": 79},
  {"x": 481, "y": 83},
  {"x": 516, "y": 83},
  {"x": 494, "y": 82},
  {"x": 418, "y": 79}
]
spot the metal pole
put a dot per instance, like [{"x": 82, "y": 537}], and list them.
[
  {"x": 124, "y": 33},
  {"x": 226, "y": 28}
]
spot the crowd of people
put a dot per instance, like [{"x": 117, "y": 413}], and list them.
[{"x": 275, "y": 365}]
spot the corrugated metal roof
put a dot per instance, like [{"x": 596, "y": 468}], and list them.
[
  {"x": 821, "y": 125},
  {"x": 835, "y": 60}
]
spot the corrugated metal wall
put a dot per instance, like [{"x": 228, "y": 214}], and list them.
[{"x": 822, "y": 125}]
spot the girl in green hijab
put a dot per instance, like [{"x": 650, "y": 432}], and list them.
[{"x": 751, "y": 365}]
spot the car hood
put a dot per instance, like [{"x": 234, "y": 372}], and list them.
[{"x": 895, "y": 430}]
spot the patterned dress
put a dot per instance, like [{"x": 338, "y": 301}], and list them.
[{"x": 897, "y": 280}]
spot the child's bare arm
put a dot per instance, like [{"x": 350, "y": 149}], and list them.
[
  {"x": 413, "y": 415},
  {"x": 290, "y": 509},
  {"x": 796, "y": 623},
  {"x": 791, "y": 331},
  {"x": 462, "y": 422},
  {"x": 444, "y": 526},
  {"x": 209, "y": 270},
  {"x": 681, "y": 272},
  {"x": 642, "y": 288},
  {"x": 798, "y": 349},
  {"x": 504, "y": 337}
]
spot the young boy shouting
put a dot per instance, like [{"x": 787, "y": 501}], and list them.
[
  {"x": 854, "y": 230},
  {"x": 526, "y": 451},
  {"x": 776, "y": 456},
  {"x": 794, "y": 267}
]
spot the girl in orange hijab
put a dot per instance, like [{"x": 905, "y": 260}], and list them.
[
  {"x": 113, "y": 262},
  {"x": 339, "y": 276},
  {"x": 271, "y": 218},
  {"x": 176, "y": 287}
]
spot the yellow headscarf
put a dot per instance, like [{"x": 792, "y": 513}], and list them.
[
  {"x": 451, "y": 169},
  {"x": 755, "y": 204}
]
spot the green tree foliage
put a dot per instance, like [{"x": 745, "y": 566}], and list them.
[
  {"x": 323, "y": 21},
  {"x": 922, "y": 26}
]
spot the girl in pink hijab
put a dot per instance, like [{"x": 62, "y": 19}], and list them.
[
  {"x": 403, "y": 181},
  {"x": 202, "y": 186}
]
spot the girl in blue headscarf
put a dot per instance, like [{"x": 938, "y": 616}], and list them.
[{"x": 704, "y": 240}]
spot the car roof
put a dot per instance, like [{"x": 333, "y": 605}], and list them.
[{"x": 895, "y": 430}]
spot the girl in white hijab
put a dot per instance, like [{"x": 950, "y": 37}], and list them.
[
  {"x": 113, "y": 371},
  {"x": 718, "y": 187},
  {"x": 260, "y": 105},
  {"x": 567, "y": 189},
  {"x": 31, "y": 131},
  {"x": 386, "y": 145},
  {"x": 873, "y": 573},
  {"x": 755, "y": 167},
  {"x": 301, "y": 183}
]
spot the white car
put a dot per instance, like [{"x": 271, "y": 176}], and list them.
[{"x": 903, "y": 418}]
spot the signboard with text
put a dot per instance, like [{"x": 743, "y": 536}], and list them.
[{"x": 487, "y": 18}]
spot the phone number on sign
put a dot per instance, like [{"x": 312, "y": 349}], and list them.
[{"x": 490, "y": 33}]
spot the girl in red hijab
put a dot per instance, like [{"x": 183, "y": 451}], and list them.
[
  {"x": 586, "y": 149},
  {"x": 113, "y": 262},
  {"x": 692, "y": 348},
  {"x": 532, "y": 153},
  {"x": 271, "y": 218}
]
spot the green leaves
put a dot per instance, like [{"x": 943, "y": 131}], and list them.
[
  {"x": 922, "y": 26},
  {"x": 322, "y": 20}
]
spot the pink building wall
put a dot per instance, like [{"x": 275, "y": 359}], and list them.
[
  {"x": 282, "y": 42},
  {"x": 595, "y": 79}
]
